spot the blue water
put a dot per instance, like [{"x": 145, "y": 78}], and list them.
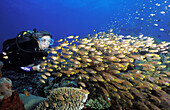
[{"x": 81, "y": 17}]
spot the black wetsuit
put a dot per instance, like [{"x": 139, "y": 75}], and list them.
[{"x": 18, "y": 58}]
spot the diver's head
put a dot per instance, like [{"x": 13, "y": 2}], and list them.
[{"x": 44, "y": 39}]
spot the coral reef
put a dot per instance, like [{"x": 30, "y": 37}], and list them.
[
  {"x": 64, "y": 98},
  {"x": 98, "y": 103},
  {"x": 22, "y": 81},
  {"x": 5, "y": 88},
  {"x": 52, "y": 83},
  {"x": 128, "y": 72}
]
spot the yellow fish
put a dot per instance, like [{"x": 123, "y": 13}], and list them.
[
  {"x": 48, "y": 74},
  {"x": 41, "y": 80},
  {"x": 43, "y": 76},
  {"x": 5, "y": 57},
  {"x": 70, "y": 37},
  {"x": 64, "y": 44},
  {"x": 54, "y": 52},
  {"x": 76, "y": 37},
  {"x": 26, "y": 93},
  {"x": 46, "y": 104},
  {"x": 60, "y": 40}
]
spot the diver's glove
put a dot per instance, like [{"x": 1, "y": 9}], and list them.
[{"x": 27, "y": 68}]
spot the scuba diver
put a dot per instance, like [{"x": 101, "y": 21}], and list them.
[{"x": 26, "y": 51}]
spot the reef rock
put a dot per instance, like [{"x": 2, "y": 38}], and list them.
[
  {"x": 30, "y": 102},
  {"x": 12, "y": 103},
  {"x": 9, "y": 99}
]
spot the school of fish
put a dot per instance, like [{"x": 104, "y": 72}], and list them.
[
  {"x": 146, "y": 15},
  {"x": 128, "y": 72}
]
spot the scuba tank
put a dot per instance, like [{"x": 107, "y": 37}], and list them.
[{"x": 22, "y": 37}]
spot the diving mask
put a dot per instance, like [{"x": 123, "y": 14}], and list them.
[{"x": 46, "y": 41}]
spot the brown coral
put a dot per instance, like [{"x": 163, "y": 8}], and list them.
[{"x": 12, "y": 103}]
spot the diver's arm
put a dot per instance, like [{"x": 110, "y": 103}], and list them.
[
  {"x": 36, "y": 68},
  {"x": 31, "y": 68}
]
